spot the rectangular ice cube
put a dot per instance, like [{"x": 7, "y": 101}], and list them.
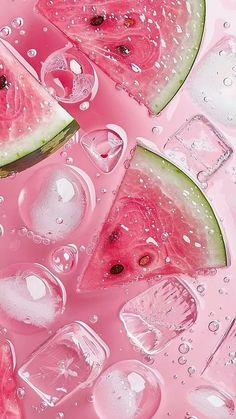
[
  {"x": 198, "y": 147},
  {"x": 159, "y": 314},
  {"x": 213, "y": 84},
  {"x": 221, "y": 365},
  {"x": 71, "y": 360}
]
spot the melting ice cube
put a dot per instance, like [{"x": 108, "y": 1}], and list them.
[
  {"x": 30, "y": 297},
  {"x": 54, "y": 204},
  {"x": 159, "y": 314},
  {"x": 213, "y": 84},
  {"x": 198, "y": 147},
  {"x": 212, "y": 403},
  {"x": 69, "y": 361},
  {"x": 128, "y": 389},
  {"x": 221, "y": 364},
  {"x": 104, "y": 148}
]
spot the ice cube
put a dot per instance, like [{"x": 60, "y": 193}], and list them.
[
  {"x": 54, "y": 204},
  {"x": 221, "y": 364},
  {"x": 212, "y": 402},
  {"x": 104, "y": 148},
  {"x": 71, "y": 360},
  {"x": 198, "y": 147},
  {"x": 128, "y": 389},
  {"x": 213, "y": 84},
  {"x": 159, "y": 314},
  {"x": 30, "y": 297}
]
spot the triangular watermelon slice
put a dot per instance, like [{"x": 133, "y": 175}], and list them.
[
  {"x": 32, "y": 123},
  {"x": 9, "y": 404},
  {"x": 147, "y": 46},
  {"x": 160, "y": 223}
]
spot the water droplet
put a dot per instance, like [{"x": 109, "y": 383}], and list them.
[
  {"x": 21, "y": 392},
  {"x": 22, "y": 32},
  {"x": 182, "y": 360},
  {"x": 59, "y": 220},
  {"x": 213, "y": 326},
  {"x": 148, "y": 359},
  {"x": 136, "y": 68},
  {"x": 45, "y": 29},
  {"x": 202, "y": 176},
  {"x": 184, "y": 348},
  {"x": 191, "y": 370},
  {"x": 84, "y": 106},
  {"x": 31, "y": 52},
  {"x": 93, "y": 318},
  {"x": 226, "y": 25},
  {"x": 17, "y": 22},
  {"x": 228, "y": 81},
  {"x": 5, "y": 31},
  {"x": 157, "y": 130},
  {"x": 90, "y": 398},
  {"x": 64, "y": 258},
  {"x": 201, "y": 288},
  {"x": 226, "y": 279}
]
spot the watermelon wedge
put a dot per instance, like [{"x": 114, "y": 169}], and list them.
[
  {"x": 32, "y": 124},
  {"x": 147, "y": 46},
  {"x": 160, "y": 223},
  {"x": 9, "y": 404}
]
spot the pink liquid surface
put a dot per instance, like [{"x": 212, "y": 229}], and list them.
[{"x": 112, "y": 109}]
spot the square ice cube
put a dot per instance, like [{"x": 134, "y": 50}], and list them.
[
  {"x": 159, "y": 314},
  {"x": 213, "y": 83},
  {"x": 221, "y": 364},
  {"x": 199, "y": 147},
  {"x": 71, "y": 360}
]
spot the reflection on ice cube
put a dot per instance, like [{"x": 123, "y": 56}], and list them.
[
  {"x": 198, "y": 147},
  {"x": 30, "y": 297},
  {"x": 69, "y": 361},
  {"x": 53, "y": 204},
  {"x": 69, "y": 75},
  {"x": 105, "y": 147},
  {"x": 221, "y": 364},
  {"x": 213, "y": 84},
  {"x": 127, "y": 390},
  {"x": 159, "y": 314},
  {"x": 212, "y": 402}
]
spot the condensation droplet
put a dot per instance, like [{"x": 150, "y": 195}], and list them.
[
  {"x": 213, "y": 326},
  {"x": 17, "y": 22},
  {"x": 32, "y": 53},
  {"x": 5, "y": 31}
]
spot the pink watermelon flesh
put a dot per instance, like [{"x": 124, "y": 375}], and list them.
[
  {"x": 32, "y": 123},
  {"x": 160, "y": 223},
  {"x": 146, "y": 46},
  {"x": 9, "y": 404}
]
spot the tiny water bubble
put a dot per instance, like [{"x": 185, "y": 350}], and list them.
[
  {"x": 32, "y": 53},
  {"x": 191, "y": 371},
  {"x": 5, "y": 31},
  {"x": 103, "y": 190},
  {"x": 184, "y": 348},
  {"x": 22, "y": 32},
  {"x": 213, "y": 326},
  {"x": 45, "y": 29},
  {"x": 118, "y": 86},
  {"x": 69, "y": 160},
  {"x": 226, "y": 279},
  {"x": 84, "y": 106},
  {"x": 17, "y": 22},
  {"x": 201, "y": 288},
  {"x": 93, "y": 318},
  {"x": 228, "y": 81},
  {"x": 59, "y": 220},
  {"x": 90, "y": 398},
  {"x": 157, "y": 130},
  {"x": 226, "y": 25},
  {"x": 182, "y": 360}
]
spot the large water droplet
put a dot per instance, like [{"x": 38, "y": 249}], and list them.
[{"x": 64, "y": 258}]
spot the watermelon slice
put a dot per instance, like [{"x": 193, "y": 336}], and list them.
[
  {"x": 160, "y": 223},
  {"x": 147, "y": 46},
  {"x": 32, "y": 124},
  {"x": 9, "y": 404}
]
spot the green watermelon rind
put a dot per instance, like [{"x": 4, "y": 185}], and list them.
[
  {"x": 167, "y": 94},
  {"x": 180, "y": 181},
  {"x": 64, "y": 129}
]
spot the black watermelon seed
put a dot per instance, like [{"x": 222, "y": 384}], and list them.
[
  {"x": 97, "y": 20},
  {"x": 123, "y": 49},
  {"x": 117, "y": 269},
  {"x": 3, "y": 82}
]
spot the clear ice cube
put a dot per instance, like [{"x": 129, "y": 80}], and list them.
[
  {"x": 213, "y": 84},
  {"x": 54, "y": 204},
  {"x": 128, "y": 389},
  {"x": 221, "y": 364},
  {"x": 159, "y": 314},
  {"x": 71, "y": 360},
  {"x": 212, "y": 402},
  {"x": 104, "y": 148},
  {"x": 198, "y": 147},
  {"x": 31, "y": 297}
]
